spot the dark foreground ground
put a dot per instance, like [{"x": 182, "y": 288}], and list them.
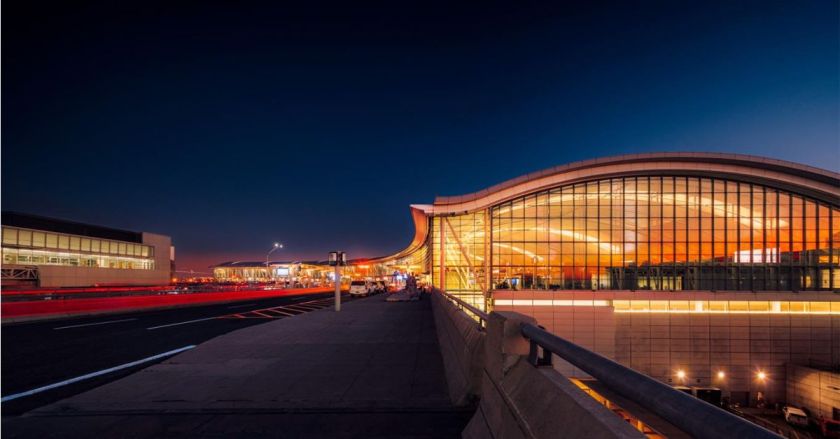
[
  {"x": 42, "y": 353},
  {"x": 373, "y": 370}
]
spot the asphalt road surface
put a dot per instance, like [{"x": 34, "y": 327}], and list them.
[{"x": 39, "y": 354}]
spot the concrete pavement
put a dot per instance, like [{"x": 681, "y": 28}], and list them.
[
  {"x": 38, "y": 354},
  {"x": 372, "y": 370}
]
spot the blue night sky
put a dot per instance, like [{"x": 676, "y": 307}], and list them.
[{"x": 230, "y": 127}]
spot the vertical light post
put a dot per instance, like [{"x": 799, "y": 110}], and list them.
[
  {"x": 337, "y": 259},
  {"x": 276, "y": 246}
]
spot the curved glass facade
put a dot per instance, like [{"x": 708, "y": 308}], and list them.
[{"x": 643, "y": 233}]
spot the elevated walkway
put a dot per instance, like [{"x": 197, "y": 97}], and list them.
[{"x": 372, "y": 370}]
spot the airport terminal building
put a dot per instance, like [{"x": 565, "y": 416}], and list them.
[
  {"x": 699, "y": 269},
  {"x": 47, "y": 252}
]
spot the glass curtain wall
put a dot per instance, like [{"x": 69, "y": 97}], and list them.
[
  {"x": 656, "y": 233},
  {"x": 458, "y": 242},
  {"x": 34, "y": 247}
]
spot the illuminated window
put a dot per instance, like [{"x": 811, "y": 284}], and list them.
[
  {"x": 760, "y": 305},
  {"x": 739, "y": 306},
  {"x": 798, "y": 306},
  {"x": 25, "y": 238},
  {"x": 659, "y": 305},
  {"x": 9, "y": 236},
  {"x": 821, "y": 307},
  {"x": 679, "y": 305},
  {"x": 621, "y": 305},
  {"x": 718, "y": 305}
]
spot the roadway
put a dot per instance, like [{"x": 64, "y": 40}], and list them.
[{"x": 39, "y": 354}]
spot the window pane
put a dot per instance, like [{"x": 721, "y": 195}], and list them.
[
  {"x": 25, "y": 238},
  {"x": 9, "y": 236},
  {"x": 38, "y": 239}
]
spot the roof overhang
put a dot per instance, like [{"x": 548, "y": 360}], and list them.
[{"x": 806, "y": 180}]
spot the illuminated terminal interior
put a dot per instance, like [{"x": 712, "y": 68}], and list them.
[
  {"x": 643, "y": 233},
  {"x": 24, "y": 247},
  {"x": 305, "y": 272}
]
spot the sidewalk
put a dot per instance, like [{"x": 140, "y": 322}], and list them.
[{"x": 373, "y": 370}]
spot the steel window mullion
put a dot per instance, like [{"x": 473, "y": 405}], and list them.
[
  {"x": 647, "y": 271},
  {"x": 726, "y": 264},
  {"x": 674, "y": 228},
  {"x": 831, "y": 247},
  {"x": 752, "y": 241},
  {"x": 764, "y": 237},
  {"x": 815, "y": 265},
  {"x": 737, "y": 265},
  {"x": 625, "y": 269},
  {"x": 790, "y": 243},
  {"x": 778, "y": 280}
]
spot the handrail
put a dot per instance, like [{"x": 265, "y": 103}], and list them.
[
  {"x": 693, "y": 416},
  {"x": 478, "y": 313}
]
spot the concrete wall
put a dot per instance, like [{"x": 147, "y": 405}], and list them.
[
  {"x": 816, "y": 390},
  {"x": 62, "y": 276},
  {"x": 517, "y": 399},
  {"x": 701, "y": 344},
  {"x": 462, "y": 348}
]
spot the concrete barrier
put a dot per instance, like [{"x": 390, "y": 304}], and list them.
[
  {"x": 517, "y": 399},
  {"x": 462, "y": 348}
]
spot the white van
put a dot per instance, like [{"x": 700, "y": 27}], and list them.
[
  {"x": 795, "y": 416},
  {"x": 359, "y": 288}
]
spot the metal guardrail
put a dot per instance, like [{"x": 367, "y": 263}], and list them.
[
  {"x": 691, "y": 415},
  {"x": 481, "y": 315}
]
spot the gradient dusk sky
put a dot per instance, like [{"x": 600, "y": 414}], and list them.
[{"x": 231, "y": 126}]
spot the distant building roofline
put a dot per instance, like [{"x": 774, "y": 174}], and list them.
[{"x": 57, "y": 225}]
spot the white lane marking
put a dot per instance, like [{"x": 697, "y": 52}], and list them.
[
  {"x": 241, "y": 306},
  {"x": 96, "y": 374},
  {"x": 93, "y": 324},
  {"x": 181, "y": 323}
]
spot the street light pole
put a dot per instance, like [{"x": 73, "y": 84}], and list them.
[
  {"x": 337, "y": 259},
  {"x": 275, "y": 247}
]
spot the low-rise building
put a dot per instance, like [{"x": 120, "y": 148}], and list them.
[{"x": 48, "y": 252}]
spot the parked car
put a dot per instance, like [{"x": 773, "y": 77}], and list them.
[
  {"x": 795, "y": 416},
  {"x": 360, "y": 288},
  {"x": 829, "y": 427}
]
